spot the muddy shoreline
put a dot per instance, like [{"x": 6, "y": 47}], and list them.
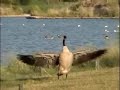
[{"x": 47, "y": 17}]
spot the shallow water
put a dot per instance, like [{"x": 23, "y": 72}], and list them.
[{"x": 26, "y": 36}]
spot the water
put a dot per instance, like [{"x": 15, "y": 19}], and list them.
[{"x": 26, "y": 36}]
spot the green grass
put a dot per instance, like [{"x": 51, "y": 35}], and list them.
[{"x": 103, "y": 79}]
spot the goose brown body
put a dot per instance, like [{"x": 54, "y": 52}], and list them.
[{"x": 65, "y": 60}]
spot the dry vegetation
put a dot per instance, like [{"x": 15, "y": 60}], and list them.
[
  {"x": 104, "y": 79},
  {"x": 61, "y": 8}
]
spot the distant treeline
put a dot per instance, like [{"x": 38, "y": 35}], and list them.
[{"x": 62, "y": 8}]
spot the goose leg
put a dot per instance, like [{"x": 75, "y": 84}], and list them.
[{"x": 59, "y": 75}]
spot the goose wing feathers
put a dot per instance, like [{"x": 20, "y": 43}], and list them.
[
  {"x": 80, "y": 57},
  {"x": 48, "y": 59},
  {"x": 39, "y": 59}
]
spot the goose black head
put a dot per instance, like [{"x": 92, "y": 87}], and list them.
[{"x": 64, "y": 37}]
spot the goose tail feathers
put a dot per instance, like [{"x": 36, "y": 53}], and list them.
[{"x": 28, "y": 59}]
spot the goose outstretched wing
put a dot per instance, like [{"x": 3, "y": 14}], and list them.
[
  {"x": 41, "y": 60},
  {"x": 47, "y": 59},
  {"x": 80, "y": 57}
]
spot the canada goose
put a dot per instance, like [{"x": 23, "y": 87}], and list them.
[
  {"x": 64, "y": 60},
  {"x": 49, "y": 37},
  {"x": 106, "y": 37}
]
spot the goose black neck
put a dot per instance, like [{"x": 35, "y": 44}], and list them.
[
  {"x": 64, "y": 42},
  {"x": 64, "y": 37}
]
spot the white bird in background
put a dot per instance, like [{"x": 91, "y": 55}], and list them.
[
  {"x": 23, "y": 24},
  {"x": 116, "y": 30},
  {"x": 118, "y": 26},
  {"x": 106, "y": 30},
  {"x": 43, "y": 24},
  {"x": 106, "y": 26},
  {"x": 78, "y": 25},
  {"x": 59, "y": 36},
  {"x": 49, "y": 37}
]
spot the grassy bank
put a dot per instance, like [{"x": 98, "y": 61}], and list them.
[
  {"x": 104, "y": 79},
  {"x": 61, "y": 8}
]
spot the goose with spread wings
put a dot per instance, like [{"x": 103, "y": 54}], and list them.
[{"x": 64, "y": 60}]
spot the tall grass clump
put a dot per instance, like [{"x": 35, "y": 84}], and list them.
[
  {"x": 17, "y": 70},
  {"x": 111, "y": 58}
]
